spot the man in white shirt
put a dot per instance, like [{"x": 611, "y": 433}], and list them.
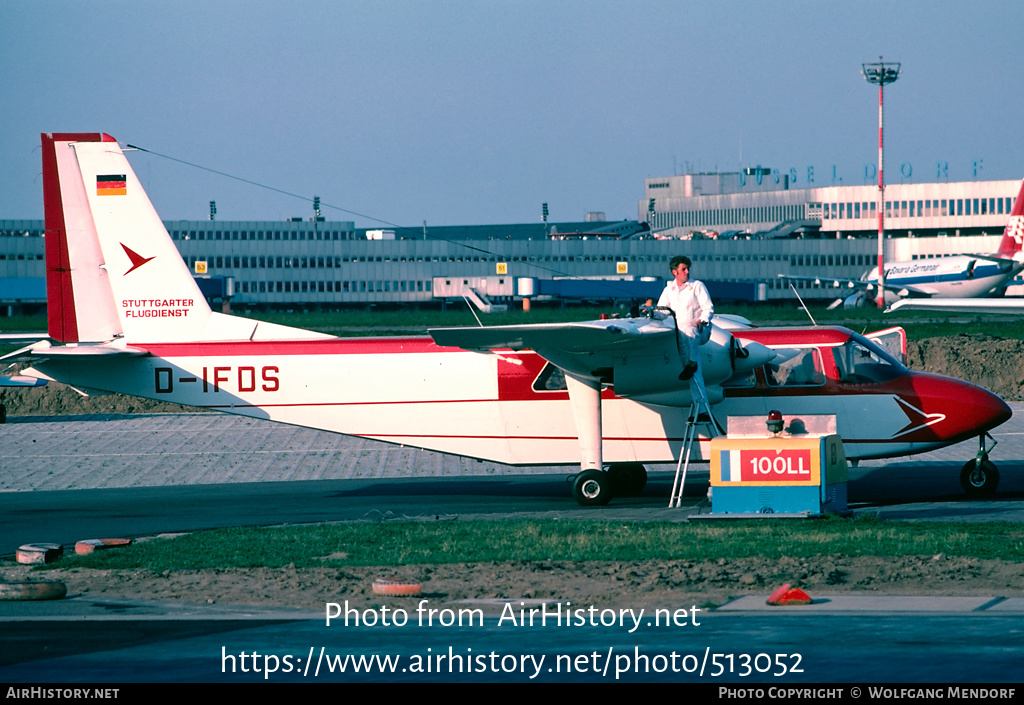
[{"x": 690, "y": 302}]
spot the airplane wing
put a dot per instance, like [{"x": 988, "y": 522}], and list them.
[
  {"x": 582, "y": 337},
  {"x": 1011, "y": 306},
  {"x": 589, "y": 349},
  {"x": 905, "y": 290},
  {"x": 1007, "y": 262},
  {"x": 837, "y": 282},
  {"x": 639, "y": 356}
]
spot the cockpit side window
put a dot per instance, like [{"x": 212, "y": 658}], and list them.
[
  {"x": 795, "y": 367},
  {"x": 860, "y": 362}
]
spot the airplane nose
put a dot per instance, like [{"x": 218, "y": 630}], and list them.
[{"x": 968, "y": 409}]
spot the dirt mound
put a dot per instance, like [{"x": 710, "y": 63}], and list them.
[
  {"x": 997, "y": 364},
  {"x": 57, "y": 399}
]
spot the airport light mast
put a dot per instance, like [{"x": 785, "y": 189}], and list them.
[{"x": 881, "y": 74}]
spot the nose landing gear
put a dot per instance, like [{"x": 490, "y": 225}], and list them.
[{"x": 980, "y": 477}]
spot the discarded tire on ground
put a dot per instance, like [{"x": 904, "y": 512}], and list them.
[
  {"x": 36, "y": 553},
  {"x": 396, "y": 588},
  {"x": 39, "y": 590},
  {"x": 87, "y": 546}
]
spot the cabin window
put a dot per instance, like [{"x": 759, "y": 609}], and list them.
[
  {"x": 741, "y": 380},
  {"x": 550, "y": 379},
  {"x": 795, "y": 367}
]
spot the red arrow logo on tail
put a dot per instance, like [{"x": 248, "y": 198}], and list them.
[{"x": 137, "y": 259}]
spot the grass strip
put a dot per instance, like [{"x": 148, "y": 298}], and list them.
[{"x": 438, "y": 542}]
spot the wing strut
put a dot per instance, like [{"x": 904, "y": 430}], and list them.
[{"x": 585, "y": 398}]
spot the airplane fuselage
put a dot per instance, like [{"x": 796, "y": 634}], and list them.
[
  {"x": 948, "y": 277},
  {"x": 507, "y": 408}
]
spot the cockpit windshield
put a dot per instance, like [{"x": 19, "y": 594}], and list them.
[{"x": 860, "y": 361}]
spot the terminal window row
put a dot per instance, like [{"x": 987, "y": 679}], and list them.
[
  {"x": 717, "y": 216},
  {"x": 333, "y": 287},
  {"x": 262, "y": 235},
  {"x": 926, "y": 208},
  {"x": 831, "y": 260},
  {"x": 283, "y": 262}
]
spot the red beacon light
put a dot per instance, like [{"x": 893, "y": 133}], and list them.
[{"x": 775, "y": 422}]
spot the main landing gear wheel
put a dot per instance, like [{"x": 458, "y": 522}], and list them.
[
  {"x": 592, "y": 488},
  {"x": 628, "y": 478},
  {"x": 979, "y": 478}
]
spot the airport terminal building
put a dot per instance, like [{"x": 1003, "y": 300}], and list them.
[
  {"x": 741, "y": 229},
  {"x": 758, "y": 201}
]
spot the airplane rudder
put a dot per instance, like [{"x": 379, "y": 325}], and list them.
[
  {"x": 60, "y": 311},
  {"x": 79, "y": 307}
]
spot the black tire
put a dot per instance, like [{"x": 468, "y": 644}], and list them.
[
  {"x": 979, "y": 479},
  {"x": 592, "y": 488},
  {"x": 628, "y": 479}
]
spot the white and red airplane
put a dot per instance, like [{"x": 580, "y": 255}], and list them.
[
  {"x": 948, "y": 277},
  {"x": 125, "y": 315}
]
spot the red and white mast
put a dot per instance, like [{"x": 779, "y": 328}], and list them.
[{"x": 881, "y": 74}]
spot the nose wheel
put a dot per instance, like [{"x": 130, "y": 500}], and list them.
[{"x": 980, "y": 477}]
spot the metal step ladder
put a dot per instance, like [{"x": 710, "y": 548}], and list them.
[{"x": 699, "y": 406}]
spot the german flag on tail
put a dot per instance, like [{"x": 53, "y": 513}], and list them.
[{"x": 111, "y": 185}]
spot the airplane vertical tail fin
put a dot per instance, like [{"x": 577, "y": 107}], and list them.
[
  {"x": 1012, "y": 243},
  {"x": 112, "y": 271}
]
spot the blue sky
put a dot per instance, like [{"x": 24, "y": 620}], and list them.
[{"x": 466, "y": 112}]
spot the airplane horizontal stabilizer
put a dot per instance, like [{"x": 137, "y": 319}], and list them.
[
  {"x": 44, "y": 349},
  {"x": 67, "y": 351},
  {"x": 20, "y": 381}
]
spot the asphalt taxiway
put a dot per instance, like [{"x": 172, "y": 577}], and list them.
[
  {"x": 68, "y": 478},
  {"x": 146, "y": 474},
  {"x": 836, "y": 640}
]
